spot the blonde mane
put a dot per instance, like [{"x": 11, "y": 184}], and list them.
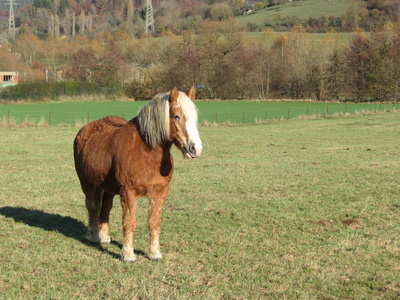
[{"x": 153, "y": 119}]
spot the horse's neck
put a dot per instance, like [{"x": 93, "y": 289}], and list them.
[
  {"x": 165, "y": 150},
  {"x": 167, "y": 162},
  {"x": 158, "y": 152}
]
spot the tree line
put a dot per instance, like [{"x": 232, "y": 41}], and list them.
[{"x": 222, "y": 61}]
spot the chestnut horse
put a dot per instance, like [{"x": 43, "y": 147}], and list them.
[{"x": 133, "y": 159}]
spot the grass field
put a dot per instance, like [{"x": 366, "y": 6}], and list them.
[
  {"x": 300, "y": 9},
  {"x": 68, "y": 113},
  {"x": 345, "y": 37},
  {"x": 298, "y": 209}
]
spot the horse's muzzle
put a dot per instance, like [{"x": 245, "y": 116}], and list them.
[{"x": 189, "y": 150}]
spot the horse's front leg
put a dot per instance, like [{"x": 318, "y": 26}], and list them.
[
  {"x": 128, "y": 203},
  {"x": 155, "y": 211}
]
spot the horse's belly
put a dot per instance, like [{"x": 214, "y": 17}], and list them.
[{"x": 143, "y": 184}]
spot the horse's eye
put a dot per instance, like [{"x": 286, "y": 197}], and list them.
[{"x": 176, "y": 117}]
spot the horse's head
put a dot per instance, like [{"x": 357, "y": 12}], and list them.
[{"x": 183, "y": 123}]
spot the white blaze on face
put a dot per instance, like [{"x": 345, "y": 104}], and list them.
[{"x": 194, "y": 136}]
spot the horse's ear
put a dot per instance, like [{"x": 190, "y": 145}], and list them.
[
  {"x": 191, "y": 93},
  {"x": 173, "y": 95}
]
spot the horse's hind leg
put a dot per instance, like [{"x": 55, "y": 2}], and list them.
[
  {"x": 93, "y": 204},
  {"x": 106, "y": 205}
]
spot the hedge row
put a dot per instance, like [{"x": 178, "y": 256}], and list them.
[{"x": 41, "y": 91}]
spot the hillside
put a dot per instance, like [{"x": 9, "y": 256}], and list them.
[
  {"x": 300, "y": 9},
  {"x": 322, "y": 15},
  {"x": 72, "y": 17}
]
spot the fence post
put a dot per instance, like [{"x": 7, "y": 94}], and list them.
[
  {"x": 307, "y": 111},
  {"x": 216, "y": 117},
  {"x": 327, "y": 110},
  {"x": 244, "y": 113},
  {"x": 49, "y": 118},
  {"x": 346, "y": 107},
  {"x": 288, "y": 113}
]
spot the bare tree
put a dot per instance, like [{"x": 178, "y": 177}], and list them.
[
  {"x": 73, "y": 23},
  {"x": 57, "y": 26},
  {"x": 50, "y": 28},
  {"x": 28, "y": 45},
  {"x": 82, "y": 23}
]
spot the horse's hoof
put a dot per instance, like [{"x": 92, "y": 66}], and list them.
[
  {"x": 94, "y": 239},
  {"x": 127, "y": 254},
  {"x": 105, "y": 240},
  {"x": 129, "y": 258},
  {"x": 93, "y": 235},
  {"x": 155, "y": 256}
]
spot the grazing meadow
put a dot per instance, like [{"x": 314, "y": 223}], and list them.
[
  {"x": 284, "y": 209},
  {"x": 300, "y": 9},
  {"x": 70, "y": 113}
]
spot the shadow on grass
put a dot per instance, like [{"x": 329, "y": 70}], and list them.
[{"x": 67, "y": 226}]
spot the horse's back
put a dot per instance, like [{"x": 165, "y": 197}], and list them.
[
  {"x": 92, "y": 149},
  {"x": 102, "y": 126},
  {"x": 101, "y": 129}
]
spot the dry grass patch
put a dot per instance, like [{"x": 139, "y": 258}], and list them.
[
  {"x": 42, "y": 123},
  {"x": 8, "y": 122},
  {"x": 27, "y": 123},
  {"x": 80, "y": 124}
]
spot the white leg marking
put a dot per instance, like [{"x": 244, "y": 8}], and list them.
[
  {"x": 104, "y": 238},
  {"x": 154, "y": 252},
  {"x": 104, "y": 233},
  {"x": 127, "y": 254}
]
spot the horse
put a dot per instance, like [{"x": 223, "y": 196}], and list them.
[{"x": 132, "y": 159}]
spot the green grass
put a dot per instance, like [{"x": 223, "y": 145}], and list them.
[
  {"x": 210, "y": 111},
  {"x": 345, "y": 37},
  {"x": 299, "y": 209},
  {"x": 300, "y": 9}
]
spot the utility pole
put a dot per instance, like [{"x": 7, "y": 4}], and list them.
[
  {"x": 149, "y": 17},
  {"x": 11, "y": 20}
]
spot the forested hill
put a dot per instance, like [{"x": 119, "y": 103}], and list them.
[{"x": 69, "y": 17}]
